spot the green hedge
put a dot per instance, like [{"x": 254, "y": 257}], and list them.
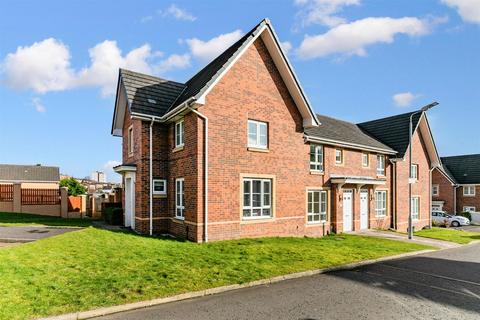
[{"x": 466, "y": 214}]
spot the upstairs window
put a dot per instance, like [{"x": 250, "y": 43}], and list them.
[
  {"x": 365, "y": 160},
  {"x": 179, "y": 134},
  {"x": 316, "y": 157},
  {"x": 435, "y": 190},
  {"x": 469, "y": 191},
  {"x": 257, "y": 134},
  {"x": 130, "y": 141},
  {"x": 380, "y": 165},
  {"x": 338, "y": 156},
  {"x": 415, "y": 171}
]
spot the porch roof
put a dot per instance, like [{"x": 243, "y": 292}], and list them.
[
  {"x": 358, "y": 180},
  {"x": 125, "y": 168}
]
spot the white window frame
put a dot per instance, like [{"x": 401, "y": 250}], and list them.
[
  {"x": 381, "y": 203},
  {"x": 414, "y": 171},
  {"x": 164, "y": 191},
  {"x": 365, "y": 156},
  {"x": 469, "y": 194},
  {"x": 469, "y": 209},
  {"x": 180, "y": 198},
  {"x": 415, "y": 208},
  {"x": 337, "y": 161},
  {"x": 380, "y": 165},
  {"x": 257, "y": 144},
  {"x": 179, "y": 134},
  {"x": 130, "y": 140},
  {"x": 313, "y": 216},
  {"x": 317, "y": 151},
  {"x": 248, "y": 205},
  {"x": 435, "y": 190}
]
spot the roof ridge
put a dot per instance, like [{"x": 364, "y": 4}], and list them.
[
  {"x": 336, "y": 119},
  {"x": 462, "y": 156},
  {"x": 148, "y": 76},
  {"x": 388, "y": 117}
]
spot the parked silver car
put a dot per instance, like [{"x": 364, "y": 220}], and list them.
[{"x": 442, "y": 218}]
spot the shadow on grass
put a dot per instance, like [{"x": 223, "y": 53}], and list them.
[{"x": 19, "y": 219}]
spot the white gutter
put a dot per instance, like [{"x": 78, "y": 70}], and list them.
[{"x": 205, "y": 225}]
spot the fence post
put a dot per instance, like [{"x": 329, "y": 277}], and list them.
[
  {"x": 64, "y": 202},
  {"x": 17, "y": 197}
]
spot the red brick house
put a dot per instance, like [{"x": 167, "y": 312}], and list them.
[
  {"x": 456, "y": 184},
  {"x": 237, "y": 151}
]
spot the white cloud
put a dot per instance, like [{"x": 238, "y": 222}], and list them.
[
  {"x": 207, "y": 50},
  {"x": 105, "y": 59},
  {"x": 110, "y": 164},
  {"x": 404, "y": 99},
  {"x": 37, "y": 103},
  {"x": 174, "y": 61},
  {"x": 286, "y": 46},
  {"x": 45, "y": 66},
  {"x": 323, "y": 12},
  {"x": 469, "y": 10},
  {"x": 178, "y": 13},
  {"x": 353, "y": 38},
  {"x": 146, "y": 19}
]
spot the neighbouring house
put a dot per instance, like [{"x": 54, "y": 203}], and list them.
[
  {"x": 456, "y": 184},
  {"x": 30, "y": 176},
  {"x": 237, "y": 151}
]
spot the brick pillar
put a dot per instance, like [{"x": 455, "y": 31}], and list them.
[
  {"x": 64, "y": 202},
  {"x": 83, "y": 206},
  {"x": 17, "y": 197}
]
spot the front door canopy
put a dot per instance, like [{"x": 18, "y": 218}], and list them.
[{"x": 340, "y": 181}]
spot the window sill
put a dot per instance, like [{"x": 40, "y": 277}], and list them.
[
  {"x": 257, "y": 149},
  {"x": 317, "y": 172},
  {"x": 468, "y": 196},
  {"x": 179, "y": 148},
  {"x": 316, "y": 224},
  {"x": 381, "y": 176},
  {"x": 159, "y": 195},
  {"x": 339, "y": 164},
  {"x": 256, "y": 220},
  {"x": 180, "y": 218}
]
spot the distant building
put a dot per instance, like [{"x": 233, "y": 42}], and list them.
[
  {"x": 98, "y": 176},
  {"x": 30, "y": 176}
]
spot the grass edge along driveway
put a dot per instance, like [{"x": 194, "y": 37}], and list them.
[
  {"x": 452, "y": 235},
  {"x": 11, "y": 219},
  {"x": 94, "y": 268}
]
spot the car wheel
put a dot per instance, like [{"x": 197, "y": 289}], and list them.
[{"x": 455, "y": 224}]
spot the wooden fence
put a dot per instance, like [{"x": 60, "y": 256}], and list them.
[
  {"x": 40, "y": 196},
  {"x": 6, "y": 192}
]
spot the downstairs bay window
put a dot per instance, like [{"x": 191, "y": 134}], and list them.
[{"x": 257, "y": 198}]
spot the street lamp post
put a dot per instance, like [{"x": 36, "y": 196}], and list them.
[{"x": 410, "y": 179}]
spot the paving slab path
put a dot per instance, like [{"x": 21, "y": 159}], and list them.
[{"x": 30, "y": 233}]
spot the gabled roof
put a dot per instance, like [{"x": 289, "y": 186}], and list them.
[
  {"x": 464, "y": 169},
  {"x": 147, "y": 94},
  {"x": 20, "y": 173},
  {"x": 339, "y": 132},
  {"x": 137, "y": 88},
  {"x": 392, "y": 131}
]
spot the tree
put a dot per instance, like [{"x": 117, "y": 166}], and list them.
[{"x": 74, "y": 187}]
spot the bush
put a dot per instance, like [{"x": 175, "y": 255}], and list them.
[
  {"x": 466, "y": 214},
  {"x": 113, "y": 216}
]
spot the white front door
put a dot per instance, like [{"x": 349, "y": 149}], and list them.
[
  {"x": 347, "y": 210},
  {"x": 363, "y": 209},
  {"x": 129, "y": 202}
]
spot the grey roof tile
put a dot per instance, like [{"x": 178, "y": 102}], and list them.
[
  {"x": 343, "y": 131},
  {"x": 11, "y": 172},
  {"x": 464, "y": 169},
  {"x": 392, "y": 131}
]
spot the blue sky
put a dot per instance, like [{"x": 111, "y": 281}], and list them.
[{"x": 356, "y": 59}]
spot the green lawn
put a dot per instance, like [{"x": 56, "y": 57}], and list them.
[
  {"x": 92, "y": 268},
  {"x": 23, "y": 219},
  {"x": 453, "y": 235}
]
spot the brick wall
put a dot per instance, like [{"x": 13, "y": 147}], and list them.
[
  {"x": 446, "y": 191},
  {"x": 468, "y": 201},
  {"x": 421, "y": 188}
]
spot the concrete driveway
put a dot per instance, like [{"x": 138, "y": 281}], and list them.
[
  {"x": 470, "y": 228},
  {"x": 439, "y": 285},
  {"x": 30, "y": 233}
]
